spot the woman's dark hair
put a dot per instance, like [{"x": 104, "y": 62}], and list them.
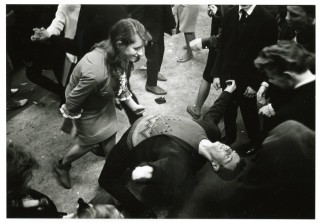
[
  {"x": 284, "y": 56},
  {"x": 20, "y": 165},
  {"x": 125, "y": 31}
]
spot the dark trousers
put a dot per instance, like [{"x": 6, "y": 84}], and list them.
[
  {"x": 47, "y": 57},
  {"x": 249, "y": 113},
  {"x": 154, "y": 55},
  {"x": 113, "y": 179}
]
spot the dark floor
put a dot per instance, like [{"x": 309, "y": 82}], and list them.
[{"x": 37, "y": 128}]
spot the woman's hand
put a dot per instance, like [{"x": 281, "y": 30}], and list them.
[
  {"x": 139, "y": 109},
  {"x": 231, "y": 86}
]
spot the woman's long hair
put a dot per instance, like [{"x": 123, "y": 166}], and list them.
[{"x": 125, "y": 31}]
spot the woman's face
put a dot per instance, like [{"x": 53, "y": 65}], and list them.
[{"x": 135, "y": 51}]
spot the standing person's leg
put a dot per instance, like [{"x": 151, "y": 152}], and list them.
[
  {"x": 189, "y": 36},
  {"x": 204, "y": 88},
  {"x": 250, "y": 116},
  {"x": 63, "y": 167},
  {"x": 161, "y": 54},
  {"x": 230, "y": 121},
  {"x": 12, "y": 104},
  {"x": 43, "y": 59},
  {"x": 152, "y": 54}
]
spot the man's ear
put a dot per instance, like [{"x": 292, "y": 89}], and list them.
[{"x": 215, "y": 166}]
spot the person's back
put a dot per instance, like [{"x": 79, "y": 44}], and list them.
[{"x": 281, "y": 182}]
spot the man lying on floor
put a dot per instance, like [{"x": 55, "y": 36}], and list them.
[{"x": 165, "y": 151}]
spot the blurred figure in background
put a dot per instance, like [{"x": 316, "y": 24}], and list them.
[
  {"x": 186, "y": 19},
  {"x": 22, "y": 201},
  {"x": 157, "y": 19}
]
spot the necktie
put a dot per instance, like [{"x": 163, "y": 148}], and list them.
[{"x": 243, "y": 16}]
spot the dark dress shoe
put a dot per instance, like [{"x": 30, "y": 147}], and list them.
[
  {"x": 17, "y": 104},
  {"x": 156, "y": 90}
]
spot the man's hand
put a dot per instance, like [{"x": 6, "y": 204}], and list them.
[
  {"x": 261, "y": 95},
  {"x": 249, "y": 93},
  {"x": 196, "y": 44},
  {"x": 216, "y": 83},
  {"x": 142, "y": 173},
  {"x": 212, "y": 10},
  {"x": 40, "y": 35},
  {"x": 267, "y": 110},
  {"x": 231, "y": 87}
]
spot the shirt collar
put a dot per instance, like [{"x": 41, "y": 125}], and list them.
[
  {"x": 308, "y": 80},
  {"x": 249, "y": 10}
]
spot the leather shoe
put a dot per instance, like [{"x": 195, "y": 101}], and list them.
[
  {"x": 63, "y": 175},
  {"x": 156, "y": 90},
  {"x": 161, "y": 77},
  {"x": 17, "y": 104}
]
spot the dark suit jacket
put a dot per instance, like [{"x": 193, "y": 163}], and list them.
[
  {"x": 299, "y": 106},
  {"x": 239, "y": 50},
  {"x": 157, "y": 19}
]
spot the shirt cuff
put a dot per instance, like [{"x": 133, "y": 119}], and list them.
[{"x": 265, "y": 84}]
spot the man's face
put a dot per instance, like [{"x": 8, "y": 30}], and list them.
[
  {"x": 281, "y": 81},
  {"x": 135, "y": 51},
  {"x": 224, "y": 155},
  {"x": 297, "y": 17}
]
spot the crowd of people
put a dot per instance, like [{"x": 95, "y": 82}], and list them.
[{"x": 261, "y": 57}]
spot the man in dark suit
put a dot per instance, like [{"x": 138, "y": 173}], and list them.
[
  {"x": 159, "y": 154},
  {"x": 246, "y": 29},
  {"x": 157, "y": 19}
]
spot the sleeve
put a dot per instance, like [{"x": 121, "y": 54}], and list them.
[
  {"x": 66, "y": 44},
  {"x": 58, "y": 23},
  {"x": 86, "y": 85},
  {"x": 215, "y": 113}
]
